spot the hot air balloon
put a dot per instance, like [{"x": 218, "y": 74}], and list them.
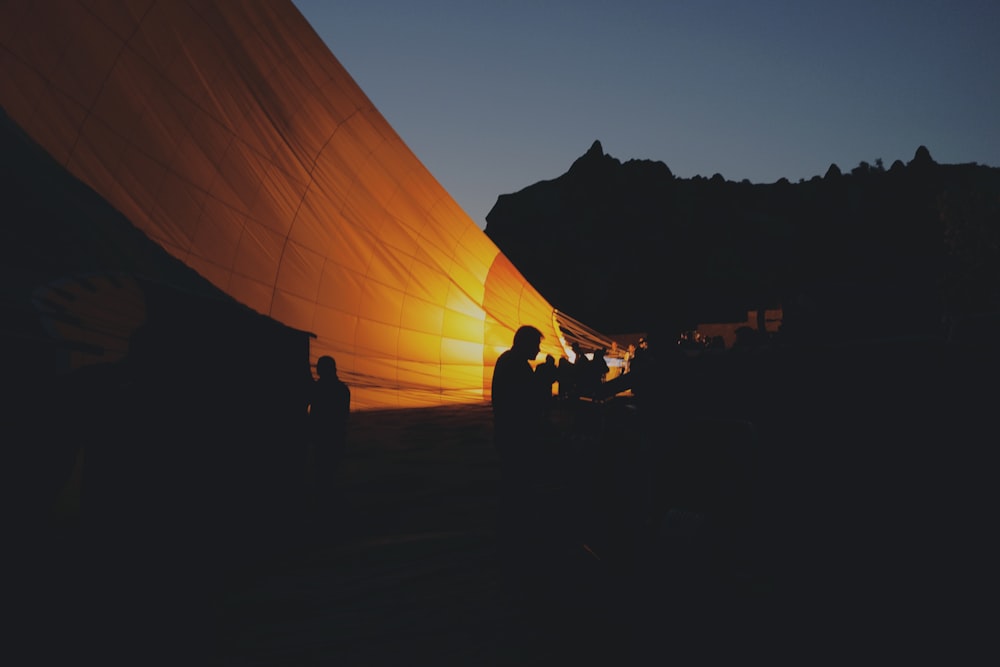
[{"x": 230, "y": 135}]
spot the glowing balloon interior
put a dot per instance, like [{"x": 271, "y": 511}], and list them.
[{"x": 231, "y": 135}]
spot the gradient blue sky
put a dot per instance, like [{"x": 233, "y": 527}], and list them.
[{"x": 495, "y": 96}]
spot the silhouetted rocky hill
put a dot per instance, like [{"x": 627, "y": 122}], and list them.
[{"x": 621, "y": 245}]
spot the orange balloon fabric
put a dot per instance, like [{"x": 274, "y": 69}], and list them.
[{"x": 231, "y": 135}]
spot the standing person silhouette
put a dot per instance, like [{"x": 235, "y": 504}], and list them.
[
  {"x": 329, "y": 409},
  {"x": 517, "y": 408},
  {"x": 518, "y": 420},
  {"x": 548, "y": 375},
  {"x": 518, "y": 427}
]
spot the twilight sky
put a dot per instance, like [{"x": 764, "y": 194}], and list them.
[{"x": 493, "y": 96}]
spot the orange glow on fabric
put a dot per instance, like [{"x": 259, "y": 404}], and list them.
[{"x": 231, "y": 135}]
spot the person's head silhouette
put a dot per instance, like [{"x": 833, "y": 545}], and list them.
[
  {"x": 326, "y": 367},
  {"x": 527, "y": 342}
]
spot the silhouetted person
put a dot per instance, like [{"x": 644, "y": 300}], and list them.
[
  {"x": 639, "y": 352},
  {"x": 530, "y": 527},
  {"x": 547, "y": 374},
  {"x": 517, "y": 408},
  {"x": 657, "y": 379},
  {"x": 518, "y": 435},
  {"x": 329, "y": 410},
  {"x": 645, "y": 373},
  {"x": 598, "y": 371},
  {"x": 564, "y": 370},
  {"x": 578, "y": 378}
]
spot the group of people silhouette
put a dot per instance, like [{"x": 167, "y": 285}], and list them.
[
  {"x": 523, "y": 395},
  {"x": 527, "y": 443},
  {"x": 574, "y": 493}
]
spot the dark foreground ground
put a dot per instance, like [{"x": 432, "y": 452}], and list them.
[{"x": 845, "y": 516}]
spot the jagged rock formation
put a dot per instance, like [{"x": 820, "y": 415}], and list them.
[{"x": 623, "y": 245}]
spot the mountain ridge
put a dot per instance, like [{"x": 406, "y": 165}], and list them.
[{"x": 626, "y": 245}]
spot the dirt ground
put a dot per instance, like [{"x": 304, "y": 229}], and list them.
[
  {"x": 859, "y": 537},
  {"x": 856, "y": 494}
]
